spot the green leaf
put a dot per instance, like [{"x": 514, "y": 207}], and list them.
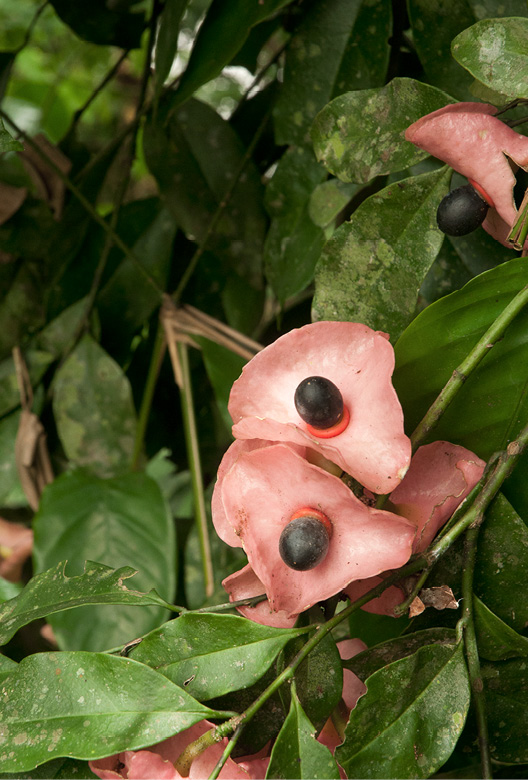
[
  {"x": 87, "y": 706},
  {"x": 360, "y": 134},
  {"x": 222, "y": 34},
  {"x": 8, "y": 590},
  {"x": 328, "y": 55},
  {"x": 506, "y": 688},
  {"x": 409, "y": 721},
  {"x": 211, "y": 655},
  {"x": 6, "y": 666},
  {"x": 223, "y": 368},
  {"x": 294, "y": 242},
  {"x": 194, "y": 154},
  {"x": 319, "y": 681},
  {"x": 167, "y": 40},
  {"x": 52, "y": 591},
  {"x": 372, "y": 268},
  {"x": 119, "y": 522},
  {"x": 296, "y": 752},
  {"x": 108, "y": 24},
  {"x": 11, "y": 493},
  {"x": 443, "y": 21},
  {"x": 37, "y": 362},
  {"x": 369, "y": 661},
  {"x": 496, "y": 640},
  {"x": 328, "y": 199},
  {"x": 495, "y": 51},
  {"x": 7, "y": 142},
  {"x": 492, "y": 405},
  {"x": 22, "y": 306},
  {"x": 94, "y": 410},
  {"x": 501, "y": 571}
]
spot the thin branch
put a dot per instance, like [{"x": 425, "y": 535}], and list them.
[
  {"x": 468, "y": 365},
  {"x": 225, "y": 755},
  {"x": 98, "y": 89},
  {"x": 472, "y": 654}
]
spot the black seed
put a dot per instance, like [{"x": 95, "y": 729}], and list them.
[
  {"x": 461, "y": 211},
  {"x": 319, "y": 402},
  {"x": 303, "y": 543}
]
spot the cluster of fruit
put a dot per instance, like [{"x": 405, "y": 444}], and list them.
[
  {"x": 473, "y": 141},
  {"x": 280, "y": 492}
]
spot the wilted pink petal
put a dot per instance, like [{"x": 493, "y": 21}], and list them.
[
  {"x": 439, "y": 478},
  {"x": 158, "y": 761},
  {"x": 245, "y": 584},
  {"x": 262, "y": 491},
  {"x": 382, "y": 605},
  {"x": 16, "y": 544},
  {"x": 359, "y": 361},
  {"x": 222, "y": 526},
  {"x": 476, "y": 144}
]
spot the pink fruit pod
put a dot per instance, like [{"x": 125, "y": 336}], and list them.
[
  {"x": 439, "y": 478},
  {"x": 369, "y": 441},
  {"x": 245, "y": 584},
  {"x": 265, "y": 489},
  {"x": 469, "y": 138},
  {"x": 158, "y": 761}
]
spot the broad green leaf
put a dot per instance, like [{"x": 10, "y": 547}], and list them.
[
  {"x": 447, "y": 274},
  {"x": 7, "y": 142},
  {"x": 360, "y": 134},
  {"x": 57, "y": 336},
  {"x": 119, "y": 522},
  {"x": 369, "y": 661},
  {"x": 121, "y": 309},
  {"x": 328, "y": 199},
  {"x": 94, "y": 410},
  {"x": 506, "y": 688},
  {"x": 296, "y": 752},
  {"x": 57, "y": 769},
  {"x": 319, "y": 681},
  {"x": 501, "y": 571},
  {"x": 294, "y": 242},
  {"x": 495, "y": 51},
  {"x": 194, "y": 154},
  {"x": 331, "y": 52},
  {"x": 496, "y": 640},
  {"x": 87, "y": 706},
  {"x": 478, "y": 251},
  {"x": 11, "y": 493},
  {"x": 167, "y": 40},
  {"x": 409, "y": 721},
  {"x": 491, "y": 407},
  {"x": 22, "y": 306},
  {"x": 372, "y": 268},
  {"x": 37, "y": 362},
  {"x": 8, "y": 590},
  {"x": 7, "y": 666},
  {"x": 108, "y": 24},
  {"x": 223, "y": 368},
  {"x": 52, "y": 591},
  {"x": 210, "y": 655},
  {"x": 222, "y": 34},
  {"x": 373, "y": 629}
]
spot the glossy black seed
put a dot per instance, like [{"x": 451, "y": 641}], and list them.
[
  {"x": 461, "y": 211},
  {"x": 303, "y": 543},
  {"x": 319, "y": 402}
]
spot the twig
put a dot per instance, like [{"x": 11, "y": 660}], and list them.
[
  {"x": 227, "y": 752},
  {"x": 98, "y": 89},
  {"x": 472, "y": 655},
  {"x": 468, "y": 365}
]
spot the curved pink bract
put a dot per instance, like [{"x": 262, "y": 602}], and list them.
[
  {"x": 469, "y": 138},
  {"x": 244, "y": 584},
  {"x": 261, "y": 492},
  {"x": 374, "y": 448}
]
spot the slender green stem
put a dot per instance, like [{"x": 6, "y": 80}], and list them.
[
  {"x": 193, "y": 453},
  {"x": 98, "y": 89},
  {"x": 401, "y": 609},
  {"x": 472, "y": 654},
  {"x": 225, "y": 755},
  {"x": 219, "y": 211},
  {"x": 156, "y": 360},
  {"x": 469, "y": 364},
  {"x": 519, "y": 231},
  {"x": 83, "y": 200}
]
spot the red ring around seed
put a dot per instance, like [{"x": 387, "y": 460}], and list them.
[
  {"x": 482, "y": 192},
  {"x": 308, "y": 511},
  {"x": 334, "y": 430}
]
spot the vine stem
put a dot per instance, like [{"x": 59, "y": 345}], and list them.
[
  {"x": 468, "y": 365},
  {"x": 83, "y": 200},
  {"x": 227, "y": 752},
  {"x": 472, "y": 654},
  {"x": 193, "y": 454}
]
